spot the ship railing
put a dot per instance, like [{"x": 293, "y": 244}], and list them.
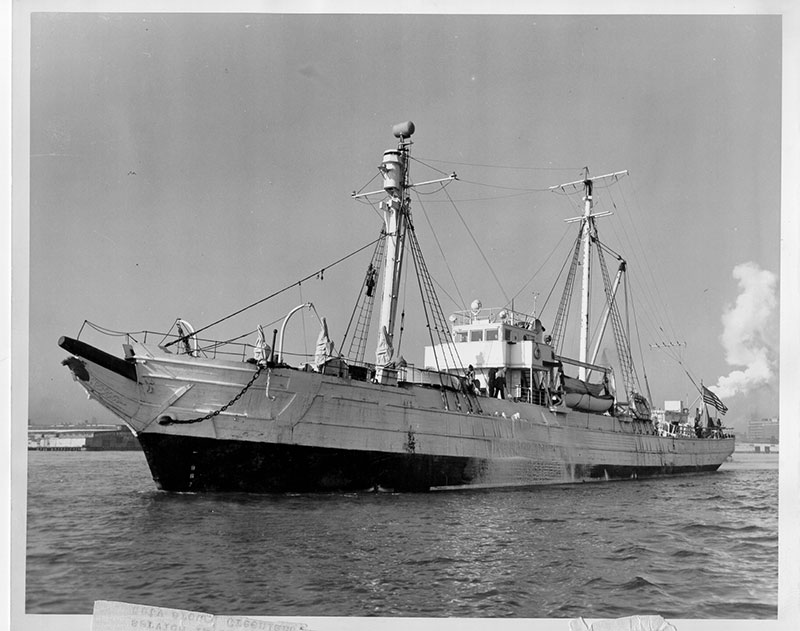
[
  {"x": 670, "y": 430},
  {"x": 719, "y": 433},
  {"x": 536, "y": 396},
  {"x": 233, "y": 350},
  {"x": 493, "y": 314}
]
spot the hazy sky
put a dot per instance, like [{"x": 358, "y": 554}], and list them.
[{"x": 187, "y": 165}]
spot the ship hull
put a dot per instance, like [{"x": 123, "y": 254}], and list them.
[
  {"x": 217, "y": 425},
  {"x": 189, "y": 464}
]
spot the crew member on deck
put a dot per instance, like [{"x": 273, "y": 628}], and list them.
[
  {"x": 491, "y": 383},
  {"x": 538, "y": 330},
  {"x": 473, "y": 385},
  {"x": 500, "y": 383}
]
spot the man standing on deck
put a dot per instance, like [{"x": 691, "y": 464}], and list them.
[{"x": 500, "y": 383}]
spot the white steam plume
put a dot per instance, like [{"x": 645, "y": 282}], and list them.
[{"x": 746, "y": 331}]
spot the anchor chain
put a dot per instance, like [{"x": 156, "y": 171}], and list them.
[{"x": 168, "y": 421}]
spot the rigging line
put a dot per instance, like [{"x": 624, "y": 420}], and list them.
[
  {"x": 691, "y": 378},
  {"x": 497, "y": 280},
  {"x": 111, "y": 332},
  {"x": 605, "y": 185},
  {"x": 426, "y": 307},
  {"x": 577, "y": 209},
  {"x": 654, "y": 322},
  {"x": 567, "y": 230},
  {"x": 621, "y": 334},
  {"x": 444, "y": 291},
  {"x": 655, "y": 329},
  {"x": 374, "y": 177},
  {"x": 280, "y": 291},
  {"x": 497, "y": 166},
  {"x": 605, "y": 247},
  {"x": 442, "y": 185},
  {"x": 242, "y": 336},
  {"x": 376, "y": 210},
  {"x": 429, "y": 296},
  {"x": 430, "y": 166},
  {"x": 635, "y": 252},
  {"x": 441, "y": 251},
  {"x": 399, "y": 344},
  {"x": 673, "y": 352},
  {"x": 638, "y": 340},
  {"x": 505, "y": 188},
  {"x": 567, "y": 259},
  {"x": 651, "y": 301},
  {"x": 562, "y": 313},
  {"x": 658, "y": 302},
  {"x": 481, "y": 199},
  {"x": 371, "y": 203}
]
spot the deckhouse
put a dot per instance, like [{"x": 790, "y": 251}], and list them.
[{"x": 500, "y": 341}]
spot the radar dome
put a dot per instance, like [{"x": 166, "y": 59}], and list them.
[{"x": 403, "y": 130}]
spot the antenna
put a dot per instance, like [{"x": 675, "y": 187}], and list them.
[
  {"x": 587, "y": 182},
  {"x": 663, "y": 345}
]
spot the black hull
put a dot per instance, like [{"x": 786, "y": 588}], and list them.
[{"x": 186, "y": 464}]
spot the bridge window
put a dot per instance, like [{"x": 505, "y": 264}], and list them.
[
  {"x": 461, "y": 336},
  {"x": 491, "y": 335},
  {"x": 476, "y": 336}
]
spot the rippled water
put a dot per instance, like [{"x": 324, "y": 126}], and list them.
[{"x": 688, "y": 547}]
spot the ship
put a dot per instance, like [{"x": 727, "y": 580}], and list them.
[{"x": 495, "y": 402}]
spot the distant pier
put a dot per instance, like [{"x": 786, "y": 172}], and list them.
[{"x": 81, "y": 438}]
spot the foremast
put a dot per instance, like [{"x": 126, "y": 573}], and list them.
[
  {"x": 397, "y": 223},
  {"x": 394, "y": 170}
]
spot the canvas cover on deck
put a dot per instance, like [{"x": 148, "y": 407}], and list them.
[
  {"x": 585, "y": 396},
  {"x": 324, "y": 346}
]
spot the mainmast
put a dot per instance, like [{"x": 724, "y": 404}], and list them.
[{"x": 588, "y": 235}]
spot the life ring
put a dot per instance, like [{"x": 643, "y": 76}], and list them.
[{"x": 537, "y": 353}]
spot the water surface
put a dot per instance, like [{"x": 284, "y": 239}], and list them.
[{"x": 701, "y": 546}]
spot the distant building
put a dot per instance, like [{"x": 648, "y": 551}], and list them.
[
  {"x": 763, "y": 430},
  {"x": 81, "y": 438},
  {"x": 757, "y": 448},
  {"x": 120, "y": 440}
]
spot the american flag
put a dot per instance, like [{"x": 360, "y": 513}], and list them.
[{"x": 712, "y": 399}]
